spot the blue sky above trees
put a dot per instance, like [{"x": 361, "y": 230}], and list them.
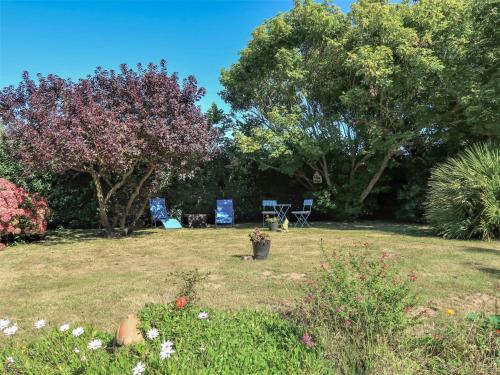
[{"x": 71, "y": 38}]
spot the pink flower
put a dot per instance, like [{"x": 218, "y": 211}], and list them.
[
  {"x": 307, "y": 340},
  {"x": 20, "y": 212}
]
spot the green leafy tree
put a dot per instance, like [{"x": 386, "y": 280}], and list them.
[
  {"x": 318, "y": 90},
  {"x": 464, "y": 35},
  {"x": 333, "y": 93}
]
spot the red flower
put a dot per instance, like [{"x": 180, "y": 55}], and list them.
[{"x": 181, "y": 302}]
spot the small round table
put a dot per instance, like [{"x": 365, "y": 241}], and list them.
[
  {"x": 281, "y": 211},
  {"x": 196, "y": 220}
]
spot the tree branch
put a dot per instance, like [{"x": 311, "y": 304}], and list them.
[
  {"x": 132, "y": 198},
  {"x": 118, "y": 185},
  {"x": 377, "y": 175}
]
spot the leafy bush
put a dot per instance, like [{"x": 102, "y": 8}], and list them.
[
  {"x": 243, "y": 342},
  {"x": 70, "y": 196},
  {"x": 410, "y": 198},
  {"x": 464, "y": 194},
  {"x": 352, "y": 303},
  {"x": 20, "y": 212}
]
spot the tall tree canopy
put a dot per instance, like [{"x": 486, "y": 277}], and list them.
[
  {"x": 342, "y": 95},
  {"x": 122, "y": 128}
]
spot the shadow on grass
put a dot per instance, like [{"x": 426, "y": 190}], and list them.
[
  {"x": 492, "y": 271},
  {"x": 482, "y": 250},
  {"x": 78, "y": 235},
  {"x": 406, "y": 229},
  {"x": 68, "y": 236},
  {"x": 495, "y": 272},
  {"x": 239, "y": 256}
]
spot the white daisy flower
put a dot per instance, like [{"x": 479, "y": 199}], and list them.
[
  {"x": 203, "y": 315},
  {"x": 78, "y": 331},
  {"x": 152, "y": 334},
  {"x": 166, "y": 350},
  {"x": 76, "y": 350},
  {"x": 202, "y": 349},
  {"x": 138, "y": 369},
  {"x": 4, "y": 323},
  {"x": 10, "y": 331},
  {"x": 95, "y": 344},
  {"x": 10, "y": 360},
  {"x": 39, "y": 324},
  {"x": 64, "y": 327},
  {"x": 167, "y": 344}
]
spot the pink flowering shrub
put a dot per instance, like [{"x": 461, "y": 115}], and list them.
[{"x": 21, "y": 213}]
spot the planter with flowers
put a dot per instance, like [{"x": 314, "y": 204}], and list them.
[
  {"x": 272, "y": 222},
  {"x": 261, "y": 244}
]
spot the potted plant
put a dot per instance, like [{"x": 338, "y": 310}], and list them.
[
  {"x": 272, "y": 222},
  {"x": 261, "y": 244}
]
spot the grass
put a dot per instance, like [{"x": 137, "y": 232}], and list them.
[{"x": 77, "y": 276}]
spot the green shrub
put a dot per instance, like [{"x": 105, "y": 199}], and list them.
[
  {"x": 238, "y": 343},
  {"x": 352, "y": 304},
  {"x": 464, "y": 194}
]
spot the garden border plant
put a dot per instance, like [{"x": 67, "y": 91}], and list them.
[
  {"x": 354, "y": 302},
  {"x": 21, "y": 213}
]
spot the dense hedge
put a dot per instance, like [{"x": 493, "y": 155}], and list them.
[{"x": 400, "y": 194}]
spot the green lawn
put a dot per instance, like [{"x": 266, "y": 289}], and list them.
[{"x": 76, "y": 276}]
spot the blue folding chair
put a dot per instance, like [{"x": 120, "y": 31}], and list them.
[
  {"x": 224, "y": 214},
  {"x": 159, "y": 212},
  {"x": 268, "y": 209},
  {"x": 303, "y": 215}
]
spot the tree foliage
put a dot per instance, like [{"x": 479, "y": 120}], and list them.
[
  {"x": 344, "y": 94},
  {"x": 121, "y": 128}
]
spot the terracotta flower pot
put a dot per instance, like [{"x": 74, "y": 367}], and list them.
[{"x": 127, "y": 332}]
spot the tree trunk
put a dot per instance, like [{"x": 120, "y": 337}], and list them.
[
  {"x": 139, "y": 213},
  {"x": 123, "y": 221},
  {"x": 118, "y": 185},
  {"x": 103, "y": 214},
  {"x": 377, "y": 175}
]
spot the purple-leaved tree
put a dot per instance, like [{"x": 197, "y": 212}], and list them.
[{"x": 123, "y": 128}]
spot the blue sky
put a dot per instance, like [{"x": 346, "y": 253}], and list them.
[{"x": 70, "y": 38}]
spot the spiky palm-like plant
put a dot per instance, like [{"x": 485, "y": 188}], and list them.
[{"x": 463, "y": 200}]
